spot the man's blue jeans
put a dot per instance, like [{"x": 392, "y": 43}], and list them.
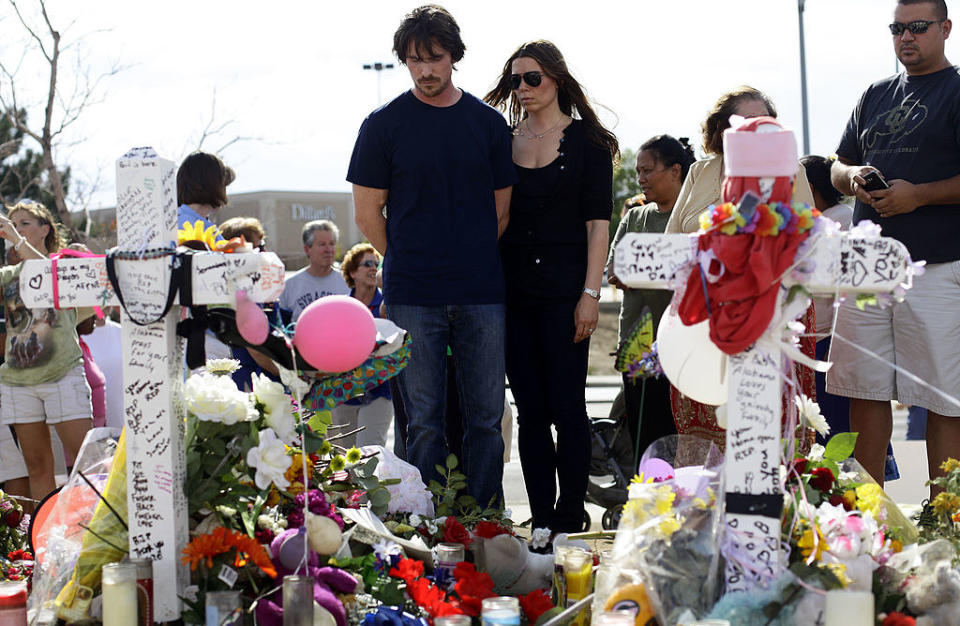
[{"x": 475, "y": 334}]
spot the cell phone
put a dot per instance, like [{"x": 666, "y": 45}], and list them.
[{"x": 874, "y": 182}]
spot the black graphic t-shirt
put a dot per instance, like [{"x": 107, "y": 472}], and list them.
[{"x": 908, "y": 127}]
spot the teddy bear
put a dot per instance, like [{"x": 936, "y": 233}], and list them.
[
  {"x": 516, "y": 570},
  {"x": 287, "y": 550}
]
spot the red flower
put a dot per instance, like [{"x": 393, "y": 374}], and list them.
[
  {"x": 488, "y": 530},
  {"x": 430, "y": 597},
  {"x": 836, "y": 499},
  {"x": 535, "y": 604},
  {"x": 822, "y": 478},
  {"x": 800, "y": 465},
  {"x": 12, "y": 518},
  {"x": 898, "y": 619},
  {"x": 20, "y": 555},
  {"x": 455, "y": 532},
  {"x": 408, "y": 570},
  {"x": 472, "y": 587}
]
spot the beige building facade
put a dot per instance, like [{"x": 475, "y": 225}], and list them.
[{"x": 283, "y": 214}]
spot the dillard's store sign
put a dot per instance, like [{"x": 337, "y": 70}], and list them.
[{"x": 306, "y": 213}]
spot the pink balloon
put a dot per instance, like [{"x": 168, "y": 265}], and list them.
[
  {"x": 251, "y": 320},
  {"x": 335, "y": 334},
  {"x": 655, "y": 468}
]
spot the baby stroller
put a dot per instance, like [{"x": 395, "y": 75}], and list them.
[{"x": 611, "y": 461}]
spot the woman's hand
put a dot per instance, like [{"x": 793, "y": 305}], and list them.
[
  {"x": 7, "y": 230},
  {"x": 585, "y": 317}
]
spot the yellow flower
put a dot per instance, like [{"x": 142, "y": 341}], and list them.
[
  {"x": 668, "y": 526},
  {"x": 896, "y": 545},
  {"x": 946, "y": 503},
  {"x": 639, "y": 479},
  {"x": 699, "y": 503},
  {"x": 949, "y": 465},
  {"x": 870, "y": 498},
  {"x": 197, "y": 232},
  {"x": 840, "y": 571},
  {"x": 338, "y": 463},
  {"x": 354, "y": 455},
  {"x": 849, "y": 499},
  {"x": 273, "y": 498},
  {"x": 807, "y": 542},
  {"x": 295, "y": 488},
  {"x": 326, "y": 448},
  {"x": 665, "y": 498}
]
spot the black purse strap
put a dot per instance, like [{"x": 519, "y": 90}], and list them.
[{"x": 175, "y": 276}]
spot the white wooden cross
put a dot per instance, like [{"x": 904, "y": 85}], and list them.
[
  {"x": 152, "y": 355},
  {"x": 751, "y": 467}
]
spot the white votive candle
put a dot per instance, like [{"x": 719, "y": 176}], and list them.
[
  {"x": 119, "y": 594},
  {"x": 849, "y": 608}
]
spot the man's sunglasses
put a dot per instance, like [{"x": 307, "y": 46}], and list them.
[
  {"x": 916, "y": 27},
  {"x": 531, "y": 78}
]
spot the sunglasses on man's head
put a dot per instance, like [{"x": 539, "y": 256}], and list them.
[
  {"x": 531, "y": 78},
  {"x": 916, "y": 27}
]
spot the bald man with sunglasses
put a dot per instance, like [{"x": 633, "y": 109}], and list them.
[{"x": 905, "y": 135}]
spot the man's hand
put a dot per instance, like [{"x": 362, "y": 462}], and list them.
[
  {"x": 902, "y": 197},
  {"x": 856, "y": 182}
]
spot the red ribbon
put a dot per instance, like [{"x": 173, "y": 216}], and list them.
[{"x": 741, "y": 303}]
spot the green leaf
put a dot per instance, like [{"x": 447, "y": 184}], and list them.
[
  {"x": 840, "y": 447},
  {"x": 451, "y": 461}
]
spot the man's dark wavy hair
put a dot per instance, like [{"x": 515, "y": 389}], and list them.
[{"x": 426, "y": 27}]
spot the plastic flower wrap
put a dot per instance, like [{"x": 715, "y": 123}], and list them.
[{"x": 669, "y": 528}]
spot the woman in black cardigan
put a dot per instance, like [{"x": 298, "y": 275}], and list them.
[{"x": 553, "y": 253}]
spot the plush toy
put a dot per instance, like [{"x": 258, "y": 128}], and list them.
[
  {"x": 287, "y": 550},
  {"x": 516, "y": 570}
]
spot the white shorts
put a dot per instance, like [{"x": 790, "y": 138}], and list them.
[
  {"x": 920, "y": 335},
  {"x": 11, "y": 461},
  {"x": 60, "y": 401}
]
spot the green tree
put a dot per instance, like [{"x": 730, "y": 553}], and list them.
[
  {"x": 22, "y": 171},
  {"x": 624, "y": 185}
]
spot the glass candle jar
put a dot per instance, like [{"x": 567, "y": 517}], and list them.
[
  {"x": 223, "y": 608},
  {"x": 119, "y": 585},
  {"x": 298, "y": 600},
  {"x": 500, "y": 611}
]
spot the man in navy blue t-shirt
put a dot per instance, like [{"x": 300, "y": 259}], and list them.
[
  {"x": 439, "y": 160},
  {"x": 906, "y": 128}
]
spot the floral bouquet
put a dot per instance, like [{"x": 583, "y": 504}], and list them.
[
  {"x": 668, "y": 535},
  {"x": 12, "y": 535}
]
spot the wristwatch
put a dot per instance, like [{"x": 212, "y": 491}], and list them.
[{"x": 593, "y": 293}]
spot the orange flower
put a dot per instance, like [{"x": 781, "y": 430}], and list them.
[
  {"x": 221, "y": 540},
  {"x": 205, "y": 547}
]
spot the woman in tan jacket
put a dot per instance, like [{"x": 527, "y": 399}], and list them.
[{"x": 702, "y": 189}]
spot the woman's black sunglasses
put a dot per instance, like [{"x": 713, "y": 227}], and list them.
[
  {"x": 917, "y": 27},
  {"x": 531, "y": 78}
]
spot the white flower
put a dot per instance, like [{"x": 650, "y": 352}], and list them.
[
  {"x": 216, "y": 399},
  {"x": 277, "y": 410},
  {"x": 810, "y": 413},
  {"x": 816, "y": 452},
  {"x": 226, "y": 511},
  {"x": 540, "y": 538},
  {"x": 386, "y": 548},
  {"x": 270, "y": 459},
  {"x": 222, "y": 367},
  {"x": 415, "y": 520}
]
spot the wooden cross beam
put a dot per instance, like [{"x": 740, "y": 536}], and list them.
[
  {"x": 753, "y": 496},
  {"x": 152, "y": 354}
]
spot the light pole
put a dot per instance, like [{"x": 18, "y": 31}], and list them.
[
  {"x": 803, "y": 81},
  {"x": 378, "y": 67}
]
